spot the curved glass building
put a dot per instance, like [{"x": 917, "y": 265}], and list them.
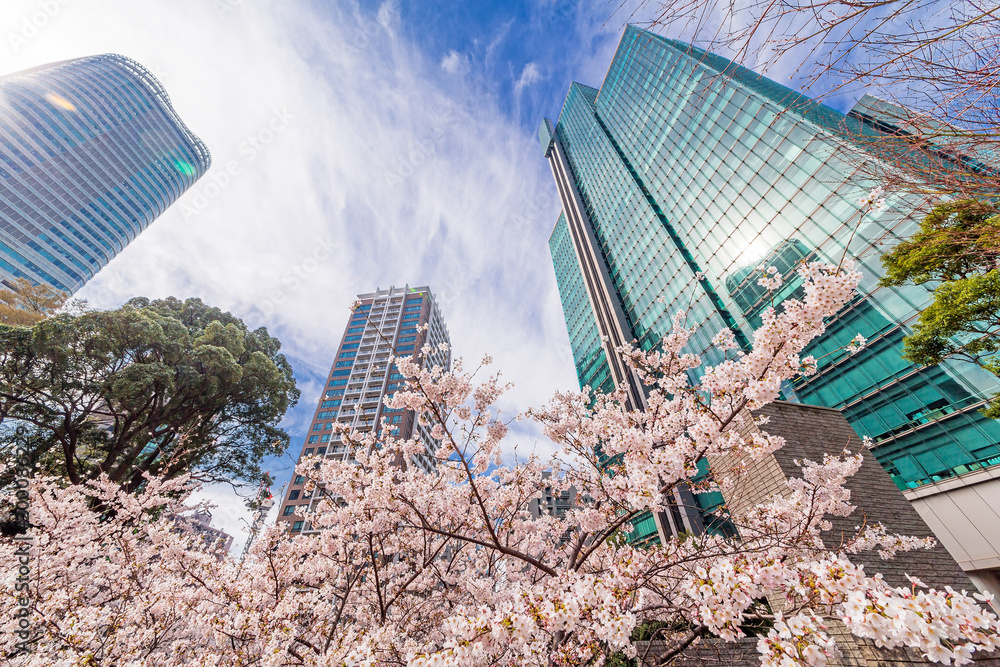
[{"x": 91, "y": 152}]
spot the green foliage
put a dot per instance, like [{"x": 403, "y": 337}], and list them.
[
  {"x": 957, "y": 247},
  {"x": 163, "y": 386}
]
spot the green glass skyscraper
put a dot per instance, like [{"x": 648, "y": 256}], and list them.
[{"x": 681, "y": 176}]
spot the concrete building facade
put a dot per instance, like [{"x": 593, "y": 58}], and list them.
[{"x": 397, "y": 321}]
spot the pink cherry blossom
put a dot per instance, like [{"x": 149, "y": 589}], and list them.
[{"x": 466, "y": 566}]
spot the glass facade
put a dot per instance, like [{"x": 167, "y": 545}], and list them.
[
  {"x": 91, "y": 152},
  {"x": 693, "y": 172},
  {"x": 584, "y": 333}
]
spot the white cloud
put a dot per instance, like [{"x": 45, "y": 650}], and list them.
[
  {"x": 341, "y": 163},
  {"x": 454, "y": 62},
  {"x": 529, "y": 75}
]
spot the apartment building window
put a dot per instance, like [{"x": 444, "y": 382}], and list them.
[
  {"x": 297, "y": 526},
  {"x": 288, "y": 511},
  {"x": 313, "y": 439}
]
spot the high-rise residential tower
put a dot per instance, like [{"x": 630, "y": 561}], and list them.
[
  {"x": 386, "y": 323},
  {"x": 91, "y": 152},
  {"x": 680, "y": 177}
]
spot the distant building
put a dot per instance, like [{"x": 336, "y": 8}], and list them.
[
  {"x": 554, "y": 502},
  {"x": 386, "y": 323},
  {"x": 207, "y": 538},
  {"x": 681, "y": 176},
  {"x": 91, "y": 152}
]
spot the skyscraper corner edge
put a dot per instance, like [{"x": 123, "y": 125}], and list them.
[{"x": 148, "y": 79}]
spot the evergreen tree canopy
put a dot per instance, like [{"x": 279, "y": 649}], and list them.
[
  {"x": 164, "y": 386},
  {"x": 957, "y": 247}
]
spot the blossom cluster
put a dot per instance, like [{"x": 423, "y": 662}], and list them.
[{"x": 460, "y": 567}]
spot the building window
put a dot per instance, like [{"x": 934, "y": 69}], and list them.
[
  {"x": 396, "y": 419},
  {"x": 313, "y": 439},
  {"x": 317, "y": 427},
  {"x": 405, "y": 348},
  {"x": 308, "y": 452},
  {"x": 411, "y": 316},
  {"x": 334, "y": 392},
  {"x": 293, "y": 495},
  {"x": 325, "y": 438},
  {"x": 299, "y": 479},
  {"x": 347, "y": 372},
  {"x": 321, "y": 451},
  {"x": 413, "y": 300},
  {"x": 355, "y": 330},
  {"x": 341, "y": 364},
  {"x": 349, "y": 346},
  {"x": 297, "y": 526},
  {"x": 337, "y": 383},
  {"x": 348, "y": 339},
  {"x": 407, "y": 339},
  {"x": 412, "y": 309},
  {"x": 331, "y": 404},
  {"x": 289, "y": 510},
  {"x": 346, "y": 355}
]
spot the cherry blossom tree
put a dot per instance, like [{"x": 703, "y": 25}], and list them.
[{"x": 451, "y": 568}]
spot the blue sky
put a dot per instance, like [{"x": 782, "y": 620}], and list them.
[
  {"x": 395, "y": 143},
  {"x": 522, "y": 52}
]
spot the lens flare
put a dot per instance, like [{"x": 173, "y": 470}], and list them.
[
  {"x": 61, "y": 102},
  {"x": 184, "y": 167}
]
